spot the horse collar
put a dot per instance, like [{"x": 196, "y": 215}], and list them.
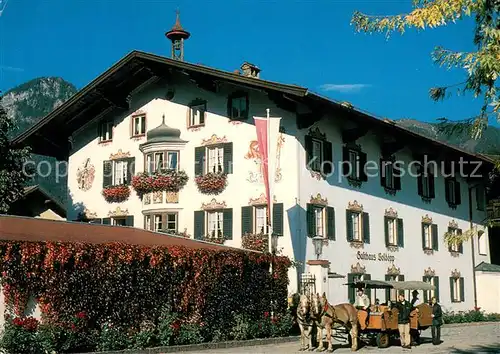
[{"x": 326, "y": 307}]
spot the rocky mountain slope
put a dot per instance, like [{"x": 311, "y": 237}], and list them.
[{"x": 27, "y": 104}]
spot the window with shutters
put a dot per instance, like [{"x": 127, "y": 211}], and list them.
[
  {"x": 138, "y": 125},
  {"x": 355, "y": 278},
  {"x": 394, "y": 233},
  {"x": 357, "y": 224},
  {"x": 215, "y": 223},
  {"x": 119, "y": 172},
  {"x": 357, "y": 229},
  {"x": 254, "y": 219},
  {"x": 392, "y": 294},
  {"x": 162, "y": 161},
  {"x": 457, "y": 289},
  {"x": 238, "y": 106},
  {"x": 119, "y": 221},
  {"x": 390, "y": 177},
  {"x": 454, "y": 234},
  {"x": 197, "y": 109},
  {"x": 261, "y": 224},
  {"x": 452, "y": 192},
  {"x": 353, "y": 164},
  {"x": 425, "y": 182},
  {"x": 319, "y": 219},
  {"x": 427, "y": 236},
  {"x": 319, "y": 153},
  {"x": 106, "y": 131},
  {"x": 429, "y": 294},
  {"x": 215, "y": 163}
]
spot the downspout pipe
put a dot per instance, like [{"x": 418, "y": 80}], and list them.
[{"x": 473, "y": 251}]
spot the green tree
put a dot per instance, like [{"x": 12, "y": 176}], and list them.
[
  {"x": 12, "y": 174},
  {"x": 482, "y": 66}
]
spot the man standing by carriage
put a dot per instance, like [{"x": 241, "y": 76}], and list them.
[{"x": 404, "y": 310}]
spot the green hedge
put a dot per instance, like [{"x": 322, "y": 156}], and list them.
[{"x": 470, "y": 316}]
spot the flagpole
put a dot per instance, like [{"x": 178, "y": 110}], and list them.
[{"x": 269, "y": 174}]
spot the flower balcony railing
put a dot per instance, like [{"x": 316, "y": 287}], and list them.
[
  {"x": 165, "y": 180},
  {"x": 116, "y": 194},
  {"x": 214, "y": 237}
]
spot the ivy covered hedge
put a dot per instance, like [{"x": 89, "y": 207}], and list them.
[
  {"x": 470, "y": 316},
  {"x": 117, "y": 293}
]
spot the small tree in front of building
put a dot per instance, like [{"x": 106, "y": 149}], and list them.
[{"x": 12, "y": 172}]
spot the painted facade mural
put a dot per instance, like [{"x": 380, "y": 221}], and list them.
[
  {"x": 85, "y": 175},
  {"x": 254, "y": 154}
]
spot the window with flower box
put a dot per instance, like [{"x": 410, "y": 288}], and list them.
[
  {"x": 118, "y": 172},
  {"x": 138, "y": 127},
  {"x": 162, "y": 161},
  {"x": 254, "y": 219},
  {"x": 105, "y": 130},
  {"x": 217, "y": 223},
  {"x": 161, "y": 222},
  {"x": 216, "y": 158}
]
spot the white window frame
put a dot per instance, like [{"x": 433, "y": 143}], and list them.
[
  {"x": 454, "y": 246},
  {"x": 319, "y": 221},
  {"x": 139, "y": 125},
  {"x": 161, "y": 160},
  {"x": 118, "y": 221},
  {"x": 120, "y": 169},
  {"x": 106, "y": 131},
  {"x": 147, "y": 221},
  {"x": 215, "y": 223},
  {"x": 260, "y": 219},
  {"x": 317, "y": 151},
  {"x": 392, "y": 231},
  {"x": 428, "y": 236},
  {"x": 197, "y": 114},
  {"x": 354, "y": 161},
  {"x": 482, "y": 243},
  {"x": 215, "y": 160},
  {"x": 157, "y": 222},
  {"x": 168, "y": 222},
  {"x": 357, "y": 226},
  {"x": 457, "y": 296},
  {"x": 431, "y": 293}
]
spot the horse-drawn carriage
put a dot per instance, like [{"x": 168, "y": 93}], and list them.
[{"x": 382, "y": 322}]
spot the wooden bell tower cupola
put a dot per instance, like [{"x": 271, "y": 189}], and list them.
[{"x": 177, "y": 35}]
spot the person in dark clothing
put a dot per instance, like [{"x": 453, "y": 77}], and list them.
[
  {"x": 437, "y": 321},
  {"x": 404, "y": 310}
]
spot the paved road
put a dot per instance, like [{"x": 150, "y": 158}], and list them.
[{"x": 463, "y": 339}]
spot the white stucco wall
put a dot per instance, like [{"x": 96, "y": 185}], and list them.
[
  {"x": 488, "y": 291},
  {"x": 294, "y": 190}
]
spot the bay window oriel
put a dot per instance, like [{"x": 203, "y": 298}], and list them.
[
  {"x": 161, "y": 222},
  {"x": 254, "y": 219},
  {"x": 215, "y": 223},
  {"x": 161, "y": 161},
  {"x": 217, "y": 158}
]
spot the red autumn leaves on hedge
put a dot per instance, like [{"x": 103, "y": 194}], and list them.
[
  {"x": 255, "y": 242},
  {"x": 211, "y": 183},
  {"x": 169, "y": 181},
  {"x": 126, "y": 284},
  {"x": 116, "y": 194},
  {"x": 28, "y": 323}
]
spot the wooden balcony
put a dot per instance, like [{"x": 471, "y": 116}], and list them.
[{"x": 493, "y": 211}]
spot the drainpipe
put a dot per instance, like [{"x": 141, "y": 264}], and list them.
[{"x": 472, "y": 246}]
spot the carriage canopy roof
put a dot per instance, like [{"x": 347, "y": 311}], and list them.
[{"x": 399, "y": 285}]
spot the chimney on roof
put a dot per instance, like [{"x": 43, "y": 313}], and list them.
[{"x": 250, "y": 70}]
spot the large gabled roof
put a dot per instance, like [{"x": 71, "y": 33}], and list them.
[{"x": 109, "y": 92}]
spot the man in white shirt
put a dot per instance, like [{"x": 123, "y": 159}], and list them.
[{"x": 363, "y": 303}]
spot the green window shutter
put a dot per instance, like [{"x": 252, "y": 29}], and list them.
[
  {"x": 400, "y": 233},
  {"x": 382, "y": 172},
  {"x": 368, "y": 291},
  {"x": 458, "y": 194},
  {"x": 330, "y": 223},
  {"x": 278, "y": 219},
  {"x": 351, "y": 291},
  {"x": 107, "y": 173},
  {"x": 106, "y": 221},
  {"x": 397, "y": 177},
  {"x": 227, "y": 223},
  {"x": 308, "y": 146},
  {"x": 246, "y": 220},
  {"x": 386, "y": 230},
  {"x": 311, "y": 222},
  {"x": 362, "y": 165},
  {"x": 228, "y": 158},
  {"x": 199, "y": 224},
  {"x": 452, "y": 292},
  {"x": 423, "y": 236},
  {"x": 462, "y": 290},
  {"x": 327, "y": 157},
  {"x": 346, "y": 167},
  {"x": 387, "y": 291},
  {"x": 130, "y": 169},
  {"x": 366, "y": 227},
  {"x": 461, "y": 244},
  {"x": 199, "y": 160},
  {"x": 447, "y": 196},
  {"x": 436, "y": 291},
  {"x": 348, "y": 224},
  {"x": 435, "y": 239},
  {"x": 432, "y": 190},
  {"x": 129, "y": 220},
  {"x": 426, "y": 299},
  {"x": 420, "y": 184},
  {"x": 449, "y": 245}
]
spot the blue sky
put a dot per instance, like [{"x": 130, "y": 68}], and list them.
[{"x": 309, "y": 43}]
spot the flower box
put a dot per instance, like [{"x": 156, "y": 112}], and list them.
[
  {"x": 214, "y": 239},
  {"x": 255, "y": 242},
  {"x": 116, "y": 194},
  {"x": 168, "y": 181},
  {"x": 211, "y": 183}
]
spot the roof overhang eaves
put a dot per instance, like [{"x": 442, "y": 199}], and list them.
[{"x": 37, "y": 188}]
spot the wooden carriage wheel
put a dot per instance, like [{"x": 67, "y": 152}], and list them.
[{"x": 383, "y": 339}]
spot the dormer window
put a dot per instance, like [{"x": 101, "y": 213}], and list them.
[
  {"x": 106, "y": 131},
  {"x": 237, "y": 106},
  {"x": 197, "y": 112}
]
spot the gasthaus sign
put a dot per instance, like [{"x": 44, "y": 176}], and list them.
[{"x": 382, "y": 257}]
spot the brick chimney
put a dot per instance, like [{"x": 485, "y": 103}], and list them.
[{"x": 250, "y": 70}]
